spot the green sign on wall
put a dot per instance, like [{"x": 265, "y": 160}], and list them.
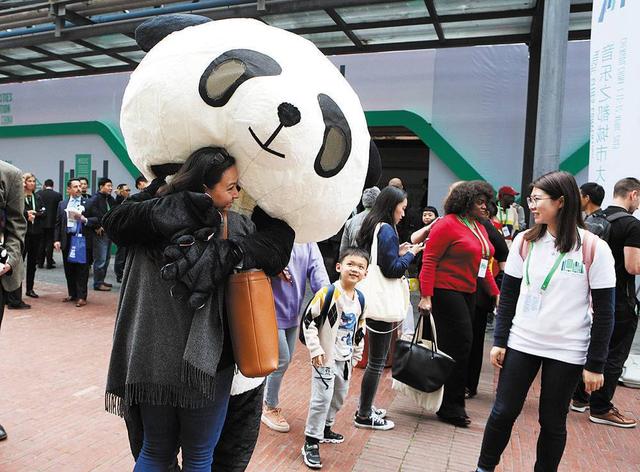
[{"x": 83, "y": 166}]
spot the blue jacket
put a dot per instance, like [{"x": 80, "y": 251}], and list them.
[{"x": 391, "y": 264}]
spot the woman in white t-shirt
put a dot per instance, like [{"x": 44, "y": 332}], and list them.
[{"x": 554, "y": 274}]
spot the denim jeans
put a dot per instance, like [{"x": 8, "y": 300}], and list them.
[
  {"x": 558, "y": 382},
  {"x": 378, "y": 351},
  {"x": 195, "y": 430},
  {"x": 286, "y": 344},
  {"x": 101, "y": 256}
]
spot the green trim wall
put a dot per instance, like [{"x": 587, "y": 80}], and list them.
[
  {"x": 410, "y": 120},
  {"x": 107, "y": 131}
]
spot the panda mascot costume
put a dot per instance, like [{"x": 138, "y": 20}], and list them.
[{"x": 299, "y": 137}]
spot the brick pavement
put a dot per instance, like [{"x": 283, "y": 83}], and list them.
[{"x": 54, "y": 361}]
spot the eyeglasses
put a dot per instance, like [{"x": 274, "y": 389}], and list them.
[{"x": 534, "y": 201}]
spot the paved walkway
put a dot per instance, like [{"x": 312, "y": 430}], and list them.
[{"x": 54, "y": 360}]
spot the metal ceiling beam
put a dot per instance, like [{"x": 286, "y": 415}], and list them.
[
  {"x": 431, "y": 44},
  {"x": 129, "y": 25},
  {"x": 106, "y": 52},
  {"x": 52, "y": 55},
  {"x": 57, "y": 75},
  {"x": 19, "y": 62},
  {"x": 77, "y": 55},
  {"x": 344, "y": 27},
  {"x": 433, "y": 14}
]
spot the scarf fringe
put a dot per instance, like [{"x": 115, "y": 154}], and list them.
[
  {"x": 198, "y": 379},
  {"x": 118, "y": 401}
]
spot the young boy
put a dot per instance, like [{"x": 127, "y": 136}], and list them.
[{"x": 335, "y": 341}]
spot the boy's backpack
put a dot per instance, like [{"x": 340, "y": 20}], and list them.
[{"x": 324, "y": 311}]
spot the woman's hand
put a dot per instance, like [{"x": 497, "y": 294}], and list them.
[
  {"x": 404, "y": 248},
  {"x": 318, "y": 361},
  {"x": 592, "y": 381},
  {"x": 416, "y": 248},
  {"x": 497, "y": 356},
  {"x": 424, "y": 304}
]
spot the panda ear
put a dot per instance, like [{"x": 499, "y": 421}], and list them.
[
  {"x": 375, "y": 166},
  {"x": 155, "y": 29}
]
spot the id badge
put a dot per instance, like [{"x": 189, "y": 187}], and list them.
[
  {"x": 505, "y": 231},
  {"x": 532, "y": 303},
  {"x": 482, "y": 270}
]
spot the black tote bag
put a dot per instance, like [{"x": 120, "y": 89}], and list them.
[{"x": 419, "y": 364}]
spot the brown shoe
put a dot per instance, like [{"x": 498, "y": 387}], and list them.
[
  {"x": 613, "y": 418},
  {"x": 81, "y": 302},
  {"x": 102, "y": 288},
  {"x": 274, "y": 419},
  {"x": 69, "y": 299}
]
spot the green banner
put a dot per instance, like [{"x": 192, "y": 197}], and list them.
[{"x": 83, "y": 166}]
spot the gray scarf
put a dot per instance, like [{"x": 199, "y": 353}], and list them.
[{"x": 163, "y": 352}]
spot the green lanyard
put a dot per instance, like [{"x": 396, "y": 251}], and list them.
[
  {"x": 33, "y": 203},
  {"x": 486, "y": 252},
  {"x": 549, "y": 276},
  {"x": 502, "y": 212}
]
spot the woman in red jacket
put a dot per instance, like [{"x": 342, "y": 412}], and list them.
[{"x": 456, "y": 256}]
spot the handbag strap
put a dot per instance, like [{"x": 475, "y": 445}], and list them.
[
  {"x": 225, "y": 226},
  {"x": 374, "y": 245},
  {"x": 417, "y": 333}
]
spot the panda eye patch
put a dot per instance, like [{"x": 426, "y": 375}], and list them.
[
  {"x": 336, "y": 143},
  {"x": 231, "y": 69}
]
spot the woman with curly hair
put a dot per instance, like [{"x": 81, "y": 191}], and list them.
[{"x": 456, "y": 257}]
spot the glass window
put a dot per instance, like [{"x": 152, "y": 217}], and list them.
[
  {"x": 101, "y": 61},
  {"x": 384, "y": 11},
  {"x": 474, "y": 29},
  {"x": 20, "y": 53},
  {"x": 299, "y": 20},
  {"x": 112, "y": 41},
  {"x": 327, "y": 40},
  {"x": 450, "y": 7},
  {"x": 580, "y": 21},
  {"x": 59, "y": 66},
  {"x": 19, "y": 70},
  {"x": 134, "y": 55},
  {"x": 400, "y": 34},
  {"x": 64, "y": 47}
]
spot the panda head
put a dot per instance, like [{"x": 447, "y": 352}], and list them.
[{"x": 267, "y": 96}]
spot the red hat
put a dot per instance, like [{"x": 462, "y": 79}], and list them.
[{"x": 506, "y": 190}]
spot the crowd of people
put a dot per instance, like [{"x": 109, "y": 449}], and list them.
[
  {"x": 171, "y": 373},
  {"x": 52, "y": 222}
]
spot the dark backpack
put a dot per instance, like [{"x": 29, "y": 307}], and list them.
[
  {"x": 600, "y": 224},
  {"x": 324, "y": 311}
]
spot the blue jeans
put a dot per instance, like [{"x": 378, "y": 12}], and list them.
[
  {"x": 286, "y": 344},
  {"x": 558, "y": 382},
  {"x": 101, "y": 256},
  {"x": 195, "y": 430}
]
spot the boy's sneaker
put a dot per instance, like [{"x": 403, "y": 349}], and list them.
[
  {"x": 373, "y": 422},
  {"x": 311, "y": 455},
  {"x": 273, "y": 418},
  {"x": 613, "y": 418},
  {"x": 379, "y": 412},
  {"x": 580, "y": 407},
  {"x": 332, "y": 437}
]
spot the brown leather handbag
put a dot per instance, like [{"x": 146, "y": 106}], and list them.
[{"x": 251, "y": 314}]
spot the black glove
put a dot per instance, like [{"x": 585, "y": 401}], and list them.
[
  {"x": 160, "y": 219},
  {"x": 199, "y": 266},
  {"x": 270, "y": 247}
]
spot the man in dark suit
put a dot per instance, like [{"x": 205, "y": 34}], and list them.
[
  {"x": 13, "y": 226},
  {"x": 50, "y": 199},
  {"x": 72, "y": 220},
  {"x": 100, "y": 204}
]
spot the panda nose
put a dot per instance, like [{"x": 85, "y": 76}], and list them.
[{"x": 288, "y": 114}]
